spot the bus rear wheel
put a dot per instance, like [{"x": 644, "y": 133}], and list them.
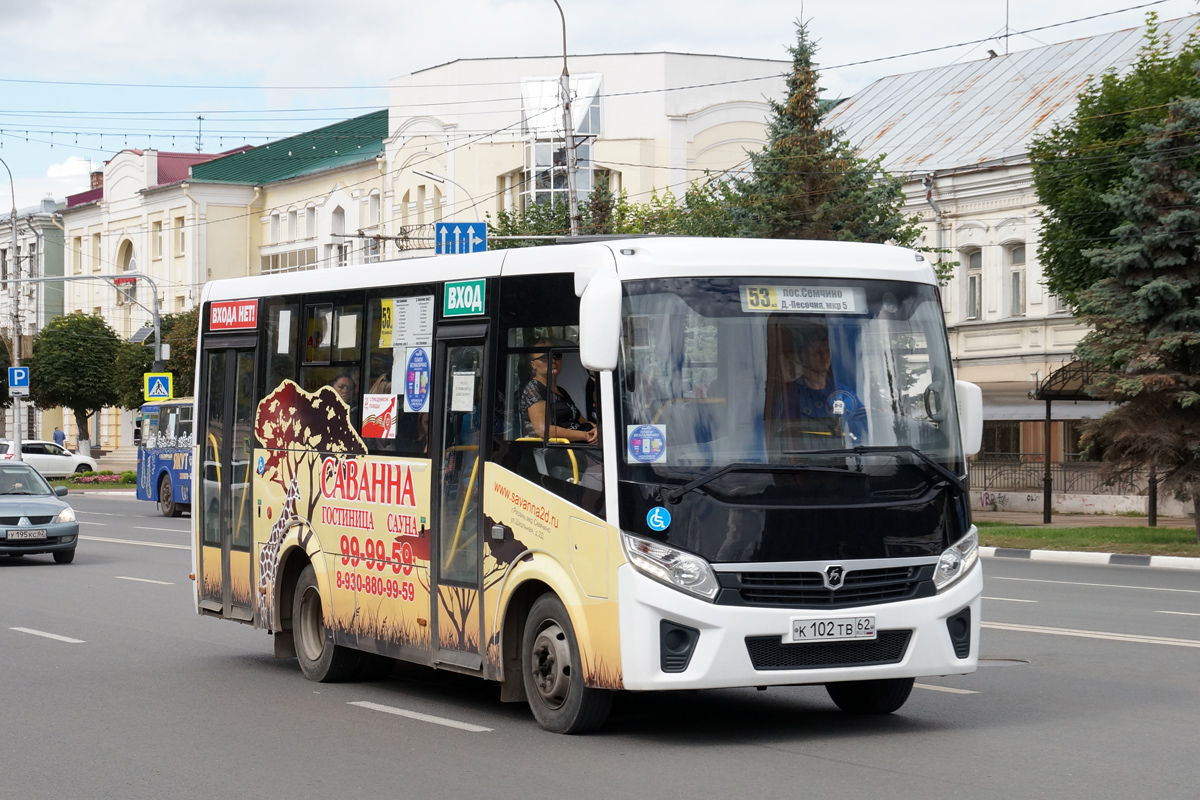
[
  {"x": 166, "y": 500},
  {"x": 871, "y": 697},
  {"x": 320, "y": 659},
  {"x": 553, "y": 672}
]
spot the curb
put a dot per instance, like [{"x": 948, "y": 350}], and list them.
[{"x": 1074, "y": 557}]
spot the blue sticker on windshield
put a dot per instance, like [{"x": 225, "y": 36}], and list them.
[
  {"x": 645, "y": 443},
  {"x": 659, "y": 519}
]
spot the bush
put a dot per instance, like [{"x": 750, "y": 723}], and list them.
[{"x": 128, "y": 476}]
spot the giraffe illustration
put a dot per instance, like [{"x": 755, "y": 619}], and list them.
[{"x": 268, "y": 557}]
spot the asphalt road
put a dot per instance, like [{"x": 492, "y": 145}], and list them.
[{"x": 1089, "y": 689}]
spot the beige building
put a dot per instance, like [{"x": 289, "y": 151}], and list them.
[{"x": 960, "y": 135}]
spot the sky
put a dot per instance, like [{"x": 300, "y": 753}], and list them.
[{"x": 81, "y": 80}]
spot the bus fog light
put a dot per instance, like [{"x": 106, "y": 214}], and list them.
[
  {"x": 676, "y": 568},
  {"x": 957, "y": 560}
]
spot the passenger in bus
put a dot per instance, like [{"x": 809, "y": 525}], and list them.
[
  {"x": 344, "y": 385},
  {"x": 831, "y": 407},
  {"x": 567, "y": 421}
]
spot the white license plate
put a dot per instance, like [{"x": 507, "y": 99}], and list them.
[
  {"x": 832, "y": 629},
  {"x": 39, "y": 533}
]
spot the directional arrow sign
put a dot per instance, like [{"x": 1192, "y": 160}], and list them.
[{"x": 460, "y": 237}]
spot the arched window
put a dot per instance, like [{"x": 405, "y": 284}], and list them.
[{"x": 338, "y": 223}]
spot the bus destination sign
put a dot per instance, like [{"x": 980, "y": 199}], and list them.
[{"x": 233, "y": 315}]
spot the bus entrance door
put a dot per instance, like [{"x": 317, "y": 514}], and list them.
[
  {"x": 457, "y": 516},
  {"x": 224, "y": 497}
]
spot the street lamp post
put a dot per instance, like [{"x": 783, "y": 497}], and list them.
[
  {"x": 568, "y": 131},
  {"x": 443, "y": 179},
  {"x": 15, "y": 353}
]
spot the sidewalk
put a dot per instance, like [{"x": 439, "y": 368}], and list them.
[{"x": 1078, "y": 520}]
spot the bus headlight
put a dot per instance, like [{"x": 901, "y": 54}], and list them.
[
  {"x": 958, "y": 560},
  {"x": 677, "y": 569},
  {"x": 66, "y": 515}
]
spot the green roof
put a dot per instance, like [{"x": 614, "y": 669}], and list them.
[{"x": 337, "y": 145}]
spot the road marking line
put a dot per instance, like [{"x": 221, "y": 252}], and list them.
[
  {"x": 101, "y": 524},
  {"x": 142, "y": 580},
  {"x": 1010, "y": 599},
  {"x": 53, "y": 636},
  {"x": 1115, "y": 637},
  {"x": 1102, "y": 585},
  {"x": 400, "y": 712},
  {"x": 933, "y": 688},
  {"x": 1180, "y": 613},
  {"x": 143, "y": 544},
  {"x": 168, "y": 530}
]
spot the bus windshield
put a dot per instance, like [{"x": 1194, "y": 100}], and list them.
[{"x": 729, "y": 371}]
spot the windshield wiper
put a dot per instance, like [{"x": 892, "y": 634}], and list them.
[
  {"x": 864, "y": 450},
  {"x": 674, "y": 495}
]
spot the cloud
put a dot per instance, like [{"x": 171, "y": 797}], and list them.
[{"x": 71, "y": 167}]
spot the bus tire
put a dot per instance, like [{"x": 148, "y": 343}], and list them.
[
  {"x": 870, "y": 697},
  {"x": 320, "y": 659},
  {"x": 553, "y": 672},
  {"x": 166, "y": 501}
]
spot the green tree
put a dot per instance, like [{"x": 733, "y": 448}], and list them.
[
  {"x": 808, "y": 181},
  {"x": 1144, "y": 311},
  {"x": 133, "y": 362},
  {"x": 181, "y": 331},
  {"x": 1081, "y": 160},
  {"x": 5, "y": 363},
  {"x": 72, "y": 366}
]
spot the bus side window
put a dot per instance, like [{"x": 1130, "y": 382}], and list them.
[{"x": 283, "y": 322}]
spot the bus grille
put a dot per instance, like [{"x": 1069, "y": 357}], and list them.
[
  {"x": 862, "y": 587},
  {"x": 769, "y": 652}
]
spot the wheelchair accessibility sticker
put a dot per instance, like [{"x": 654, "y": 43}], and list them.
[
  {"x": 659, "y": 519},
  {"x": 645, "y": 443}
]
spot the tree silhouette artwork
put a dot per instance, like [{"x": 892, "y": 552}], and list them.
[{"x": 299, "y": 428}]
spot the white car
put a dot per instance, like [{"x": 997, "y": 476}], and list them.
[{"x": 48, "y": 458}]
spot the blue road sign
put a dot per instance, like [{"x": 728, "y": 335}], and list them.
[
  {"x": 460, "y": 237},
  {"x": 156, "y": 386},
  {"x": 18, "y": 381}
]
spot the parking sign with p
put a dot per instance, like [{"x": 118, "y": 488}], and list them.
[{"x": 18, "y": 381}]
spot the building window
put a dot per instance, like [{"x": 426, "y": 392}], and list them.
[
  {"x": 310, "y": 222},
  {"x": 974, "y": 261},
  {"x": 293, "y": 225},
  {"x": 373, "y": 209},
  {"x": 275, "y": 229},
  {"x": 372, "y": 248},
  {"x": 95, "y": 252},
  {"x": 180, "y": 303},
  {"x": 1001, "y": 440},
  {"x": 1057, "y": 304},
  {"x": 545, "y": 179},
  {"x": 180, "y": 237},
  {"x": 156, "y": 241},
  {"x": 1016, "y": 280},
  {"x": 77, "y": 253}
]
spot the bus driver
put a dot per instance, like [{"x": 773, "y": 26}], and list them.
[{"x": 830, "y": 407}]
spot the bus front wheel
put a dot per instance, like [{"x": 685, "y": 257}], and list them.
[
  {"x": 553, "y": 672},
  {"x": 320, "y": 659},
  {"x": 166, "y": 500},
  {"x": 870, "y": 697}
]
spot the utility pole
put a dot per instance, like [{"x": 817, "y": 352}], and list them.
[
  {"x": 568, "y": 132},
  {"x": 16, "y": 314}
]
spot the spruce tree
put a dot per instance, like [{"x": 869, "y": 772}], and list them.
[
  {"x": 1145, "y": 311},
  {"x": 808, "y": 181}
]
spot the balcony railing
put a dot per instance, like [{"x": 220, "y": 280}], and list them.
[{"x": 1026, "y": 472}]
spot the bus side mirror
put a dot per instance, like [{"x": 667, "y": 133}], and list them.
[
  {"x": 970, "y": 416},
  {"x": 600, "y": 322}
]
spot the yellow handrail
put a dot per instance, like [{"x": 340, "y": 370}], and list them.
[
  {"x": 462, "y": 514},
  {"x": 570, "y": 452},
  {"x": 216, "y": 455}
]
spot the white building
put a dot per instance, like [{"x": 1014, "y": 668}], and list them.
[
  {"x": 961, "y": 135},
  {"x": 27, "y": 306},
  {"x": 481, "y": 135}
]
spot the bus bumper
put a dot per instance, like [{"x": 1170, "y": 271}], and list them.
[{"x": 721, "y": 656}]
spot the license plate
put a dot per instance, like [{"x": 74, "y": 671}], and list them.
[
  {"x": 832, "y": 629},
  {"x": 39, "y": 533}
]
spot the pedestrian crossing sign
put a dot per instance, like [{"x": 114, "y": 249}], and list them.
[{"x": 157, "y": 386}]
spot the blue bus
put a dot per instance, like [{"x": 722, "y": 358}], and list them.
[{"x": 164, "y": 473}]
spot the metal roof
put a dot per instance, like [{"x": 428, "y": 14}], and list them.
[
  {"x": 337, "y": 145},
  {"x": 982, "y": 111}
]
